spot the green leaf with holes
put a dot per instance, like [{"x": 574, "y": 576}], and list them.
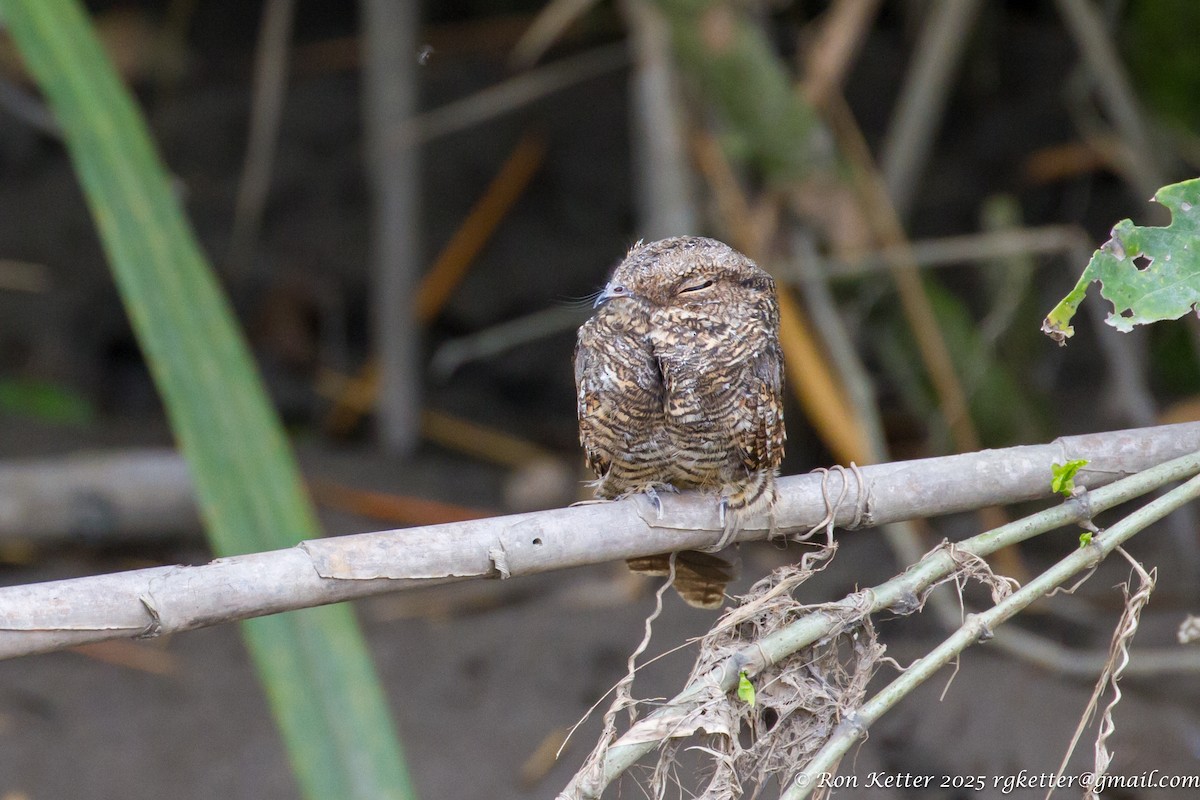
[{"x": 1148, "y": 274}]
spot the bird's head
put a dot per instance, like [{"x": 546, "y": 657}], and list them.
[{"x": 687, "y": 271}]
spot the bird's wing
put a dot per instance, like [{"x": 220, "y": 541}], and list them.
[
  {"x": 588, "y": 357},
  {"x": 759, "y": 433}
]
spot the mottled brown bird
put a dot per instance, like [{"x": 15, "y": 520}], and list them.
[{"x": 679, "y": 380}]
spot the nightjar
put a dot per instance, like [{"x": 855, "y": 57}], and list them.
[{"x": 679, "y": 378}]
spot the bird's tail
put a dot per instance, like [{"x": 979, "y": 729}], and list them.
[{"x": 700, "y": 578}]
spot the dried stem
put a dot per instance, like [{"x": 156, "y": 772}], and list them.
[
  {"x": 270, "y": 85},
  {"x": 666, "y": 200},
  {"x": 923, "y": 98},
  {"x": 1100, "y": 54},
  {"x": 507, "y": 96},
  {"x": 843, "y": 31},
  {"x": 915, "y": 303},
  {"x": 1114, "y": 669},
  {"x": 389, "y": 97}
]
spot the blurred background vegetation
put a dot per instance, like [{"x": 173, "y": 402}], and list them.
[{"x": 408, "y": 209}]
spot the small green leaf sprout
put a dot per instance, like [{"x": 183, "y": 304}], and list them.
[
  {"x": 1063, "y": 480},
  {"x": 745, "y": 690}
]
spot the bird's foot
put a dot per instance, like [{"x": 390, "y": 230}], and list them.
[
  {"x": 652, "y": 493},
  {"x": 731, "y": 525}
]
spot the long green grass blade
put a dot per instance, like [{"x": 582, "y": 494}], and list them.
[{"x": 314, "y": 664}]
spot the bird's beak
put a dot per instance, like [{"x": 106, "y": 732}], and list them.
[{"x": 610, "y": 291}]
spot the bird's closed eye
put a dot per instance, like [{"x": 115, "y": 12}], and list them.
[{"x": 696, "y": 287}]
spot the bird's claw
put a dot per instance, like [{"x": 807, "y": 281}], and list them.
[
  {"x": 729, "y": 525},
  {"x": 657, "y": 501}
]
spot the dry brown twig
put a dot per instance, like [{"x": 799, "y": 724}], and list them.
[
  {"x": 547, "y": 27},
  {"x": 917, "y": 307},
  {"x": 1114, "y": 668},
  {"x": 828, "y": 59}
]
